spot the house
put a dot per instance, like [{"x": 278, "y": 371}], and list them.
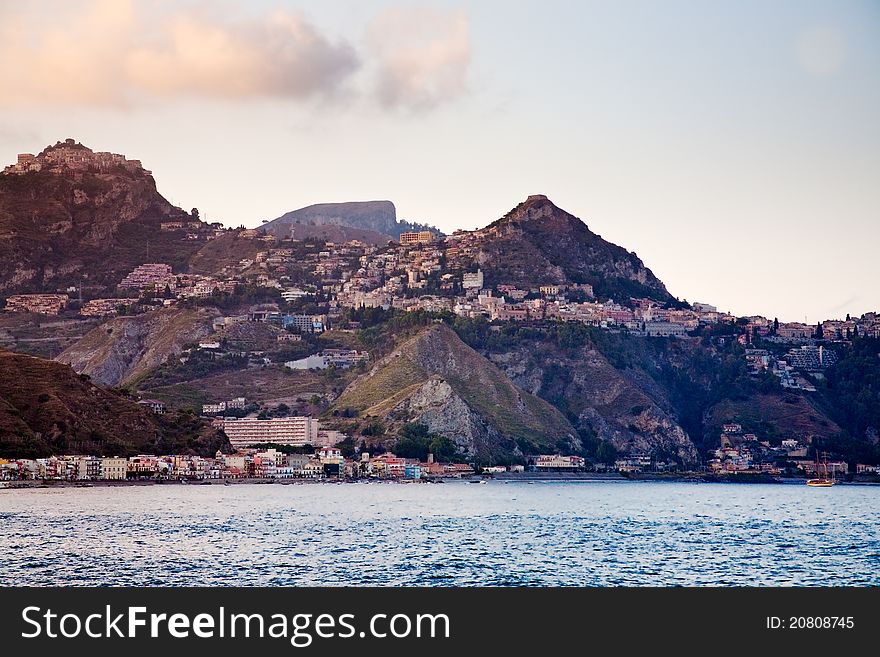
[{"x": 154, "y": 405}]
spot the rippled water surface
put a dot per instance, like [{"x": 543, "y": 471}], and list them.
[{"x": 502, "y": 533}]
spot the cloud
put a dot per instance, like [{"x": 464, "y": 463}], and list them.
[
  {"x": 421, "y": 56},
  {"x": 821, "y": 50},
  {"x": 111, "y": 53}
]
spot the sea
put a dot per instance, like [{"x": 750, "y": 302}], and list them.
[{"x": 501, "y": 533}]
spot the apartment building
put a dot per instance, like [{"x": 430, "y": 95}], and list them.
[
  {"x": 293, "y": 431},
  {"x": 43, "y": 304}
]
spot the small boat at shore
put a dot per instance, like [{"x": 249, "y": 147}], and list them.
[{"x": 819, "y": 481}]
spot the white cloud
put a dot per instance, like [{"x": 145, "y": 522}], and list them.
[
  {"x": 421, "y": 55},
  {"x": 124, "y": 53}
]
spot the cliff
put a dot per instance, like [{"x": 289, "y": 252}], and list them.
[
  {"x": 378, "y": 218},
  {"x": 83, "y": 219},
  {"x": 125, "y": 348},
  {"x": 436, "y": 379}
]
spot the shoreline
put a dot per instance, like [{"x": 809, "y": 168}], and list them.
[{"x": 528, "y": 477}]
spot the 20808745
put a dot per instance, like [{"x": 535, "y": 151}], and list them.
[{"x": 810, "y": 623}]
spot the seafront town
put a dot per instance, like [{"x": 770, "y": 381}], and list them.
[
  {"x": 329, "y": 464},
  {"x": 324, "y": 464}
]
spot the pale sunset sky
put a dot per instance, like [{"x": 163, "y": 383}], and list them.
[{"x": 735, "y": 146}]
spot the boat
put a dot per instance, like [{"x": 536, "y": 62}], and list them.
[{"x": 819, "y": 481}]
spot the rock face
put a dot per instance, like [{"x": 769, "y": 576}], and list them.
[
  {"x": 624, "y": 407},
  {"x": 537, "y": 243},
  {"x": 80, "y": 219},
  {"x": 436, "y": 379},
  {"x": 125, "y": 348},
  {"x": 378, "y": 217}
]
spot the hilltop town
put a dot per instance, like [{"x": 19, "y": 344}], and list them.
[{"x": 266, "y": 306}]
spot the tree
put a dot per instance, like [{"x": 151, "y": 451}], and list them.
[
  {"x": 775, "y": 326},
  {"x": 416, "y": 442},
  {"x": 606, "y": 453},
  {"x": 194, "y": 213},
  {"x": 819, "y": 331}
]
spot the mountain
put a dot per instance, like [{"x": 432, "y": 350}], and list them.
[
  {"x": 70, "y": 216},
  {"x": 537, "y": 243},
  {"x": 46, "y": 408},
  {"x": 125, "y": 348},
  {"x": 379, "y": 218},
  {"x": 436, "y": 379}
]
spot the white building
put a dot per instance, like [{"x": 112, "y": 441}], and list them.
[
  {"x": 293, "y": 431},
  {"x": 473, "y": 280}
]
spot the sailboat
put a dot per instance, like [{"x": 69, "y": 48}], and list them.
[{"x": 822, "y": 482}]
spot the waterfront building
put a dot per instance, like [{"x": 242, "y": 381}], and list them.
[
  {"x": 114, "y": 469},
  {"x": 292, "y": 431},
  {"x": 558, "y": 461}
]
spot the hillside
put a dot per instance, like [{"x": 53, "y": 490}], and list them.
[
  {"x": 435, "y": 379},
  {"x": 537, "y": 243},
  {"x": 667, "y": 398},
  {"x": 46, "y": 408},
  {"x": 80, "y": 218},
  {"x": 378, "y": 218},
  {"x": 622, "y": 406},
  {"x": 772, "y": 416},
  {"x": 125, "y": 348},
  {"x": 227, "y": 250}
]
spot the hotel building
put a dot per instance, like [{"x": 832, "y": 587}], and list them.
[{"x": 293, "y": 431}]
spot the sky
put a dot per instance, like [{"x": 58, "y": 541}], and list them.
[{"x": 735, "y": 147}]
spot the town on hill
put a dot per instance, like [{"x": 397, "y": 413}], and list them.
[{"x": 339, "y": 327}]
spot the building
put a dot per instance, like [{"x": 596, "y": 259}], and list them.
[
  {"x": 292, "y": 431},
  {"x": 810, "y": 358},
  {"x": 472, "y": 280},
  {"x": 795, "y": 330},
  {"x": 114, "y": 469},
  {"x": 305, "y": 323},
  {"x": 340, "y": 358},
  {"x": 665, "y": 329},
  {"x": 151, "y": 274},
  {"x": 154, "y": 405},
  {"x": 420, "y": 237},
  {"x": 103, "y": 307},
  {"x": 558, "y": 461},
  {"x": 328, "y": 438},
  {"x": 73, "y": 156},
  {"x": 43, "y": 304},
  {"x": 294, "y": 293}
]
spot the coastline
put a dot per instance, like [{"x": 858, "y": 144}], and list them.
[{"x": 528, "y": 477}]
